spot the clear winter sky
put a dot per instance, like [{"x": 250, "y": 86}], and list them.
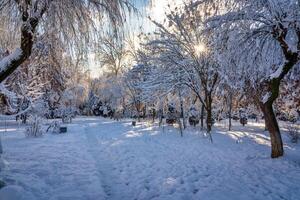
[{"x": 140, "y": 23}]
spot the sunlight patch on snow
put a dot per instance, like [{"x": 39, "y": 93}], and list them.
[
  {"x": 132, "y": 134},
  {"x": 258, "y": 138},
  {"x": 7, "y": 129},
  {"x": 257, "y": 124},
  {"x": 150, "y": 128},
  {"x": 108, "y": 122},
  {"x": 236, "y": 135}
]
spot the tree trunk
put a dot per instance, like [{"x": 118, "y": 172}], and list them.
[
  {"x": 153, "y": 115},
  {"x": 202, "y": 117},
  {"x": 182, "y": 110},
  {"x": 209, "y": 118},
  {"x": 266, "y": 126},
  {"x": 14, "y": 60},
  {"x": 160, "y": 116},
  {"x": 180, "y": 126},
  {"x": 273, "y": 84},
  {"x": 273, "y": 128},
  {"x": 229, "y": 115},
  {"x": 230, "y": 111},
  {"x": 137, "y": 107}
]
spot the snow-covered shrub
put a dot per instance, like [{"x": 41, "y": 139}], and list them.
[
  {"x": 54, "y": 127},
  {"x": 39, "y": 108},
  {"x": 294, "y": 132},
  {"x": 35, "y": 127},
  {"x": 66, "y": 113}
]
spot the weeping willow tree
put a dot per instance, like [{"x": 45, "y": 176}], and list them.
[{"x": 76, "y": 22}]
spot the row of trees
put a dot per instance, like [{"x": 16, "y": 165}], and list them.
[
  {"x": 43, "y": 61},
  {"x": 223, "y": 55},
  {"x": 213, "y": 57},
  {"x": 250, "y": 46}
]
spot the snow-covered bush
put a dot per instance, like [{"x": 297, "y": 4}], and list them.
[
  {"x": 54, "y": 127},
  {"x": 294, "y": 132},
  {"x": 35, "y": 128},
  {"x": 68, "y": 114}
]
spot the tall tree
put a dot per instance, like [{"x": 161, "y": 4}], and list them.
[
  {"x": 72, "y": 18},
  {"x": 267, "y": 34},
  {"x": 112, "y": 54},
  {"x": 182, "y": 43}
]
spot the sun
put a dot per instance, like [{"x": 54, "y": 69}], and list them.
[{"x": 200, "y": 48}]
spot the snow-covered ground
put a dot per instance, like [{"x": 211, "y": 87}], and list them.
[{"x": 103, "y": 159}]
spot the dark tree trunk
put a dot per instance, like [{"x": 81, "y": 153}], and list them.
[
  {"x": 208, "y": 101},
  {"x": 153, "y": 115},
  {"x": 272, "y": 87},
  {"x": 266, "y": 126},
  {"x": 273, "y": 128},
  {"x": 27, "y": 31},
  {"x": 209, "y": 117}
]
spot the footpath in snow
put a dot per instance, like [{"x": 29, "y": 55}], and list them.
[{"x": 103, "y": 159}]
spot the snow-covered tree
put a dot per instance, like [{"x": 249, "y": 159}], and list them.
[
  {"x": 263, "y": 37},
  {"x": 71, "y": 18},
  {"x": 180, "y": 43},
  {"x": 112, "y": 54},
  {"x": 133, "y": 80}
]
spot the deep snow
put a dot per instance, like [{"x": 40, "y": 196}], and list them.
[{"x": 103, "y": 159}]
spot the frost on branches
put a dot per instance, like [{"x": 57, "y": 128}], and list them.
[
  {"x": 267, "y": 34},
  {"x": 29, "y": 14}
]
